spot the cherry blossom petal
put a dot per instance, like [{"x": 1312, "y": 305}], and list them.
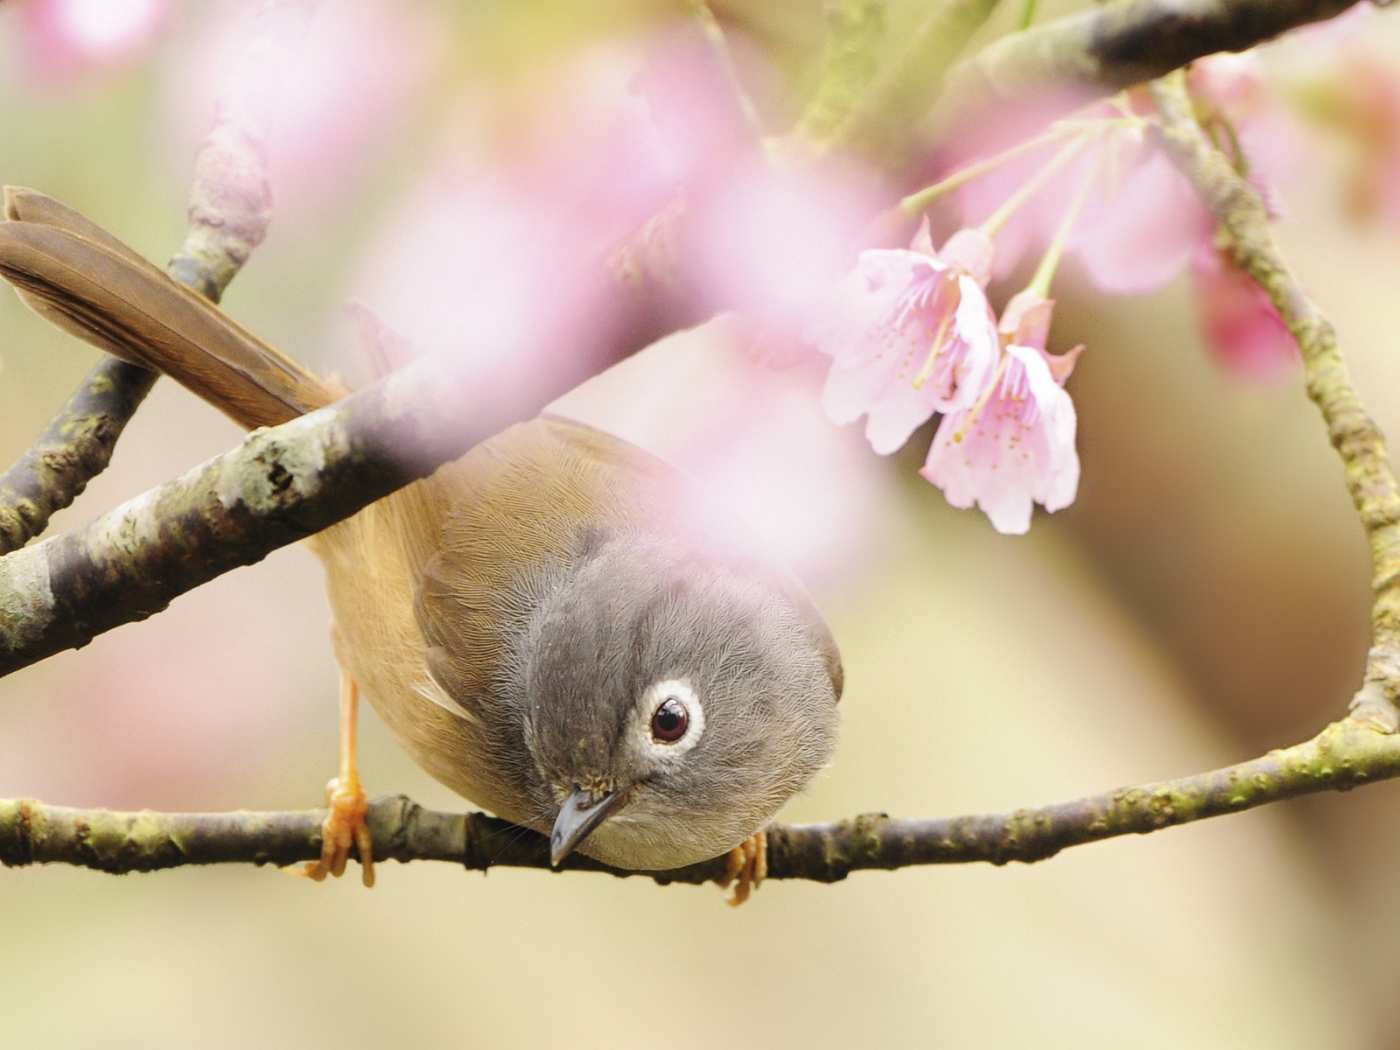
[
  {"x": 1012, "y": 450},
  {"x": 911, "y": 336},
  {"x": 1148, "y": 233}
]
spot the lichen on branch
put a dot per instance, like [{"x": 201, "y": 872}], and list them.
[{"x": 1344, "y": 755}]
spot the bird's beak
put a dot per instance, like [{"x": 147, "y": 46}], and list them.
[{"x": 578, "y": 816}]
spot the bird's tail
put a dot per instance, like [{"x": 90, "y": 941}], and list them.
[{"x": 85, "y": 281}]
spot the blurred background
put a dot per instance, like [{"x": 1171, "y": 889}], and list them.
[{"x": 450, "y": 163}]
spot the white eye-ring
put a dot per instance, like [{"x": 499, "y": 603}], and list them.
[{"x": 672, "y": 717}]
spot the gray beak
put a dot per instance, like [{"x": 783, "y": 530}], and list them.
[{"x": 578, "y": 816}]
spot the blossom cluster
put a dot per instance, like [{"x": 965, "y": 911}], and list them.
[{"x": 913, "y": 335}]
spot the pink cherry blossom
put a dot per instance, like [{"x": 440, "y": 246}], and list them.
[
  {"x": 329, "y": 88},
  {"x": 1241, "y": 326},
  {"x": 913, "y": 336},
  {"x": 1014, "y": 446}
]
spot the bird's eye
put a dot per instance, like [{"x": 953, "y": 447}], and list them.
[{"x": 670, "y": 721}]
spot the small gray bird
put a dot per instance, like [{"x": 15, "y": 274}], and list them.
[{"x": 543, "y": 624}]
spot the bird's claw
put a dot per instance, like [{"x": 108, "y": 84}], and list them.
[
  {"x": 747, "y": 868},
  {"x": 343, "y": 827}
]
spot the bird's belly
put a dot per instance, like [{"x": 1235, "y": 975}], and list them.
[{"x": 379, "y": 644}]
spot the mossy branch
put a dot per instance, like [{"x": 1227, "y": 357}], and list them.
[
  {"x": 72, "y": 450},
  {"x": 1355, "y": 435},
  {"x": 1343, "y": 756},
  {"x": 282, "y": 484}
]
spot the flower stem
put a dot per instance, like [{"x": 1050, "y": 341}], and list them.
[
  {"x": 1045, "y": 272},
  {"x": 714, "y": 33},
  {"x": 1028, "y": 14},
  {"x": 921, "y": 199},
  {"x": 1014, "y": 203}
]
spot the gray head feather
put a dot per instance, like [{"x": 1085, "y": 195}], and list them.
[{"x": 630, "y": 612}]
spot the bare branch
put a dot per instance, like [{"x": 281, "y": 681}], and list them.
[{"x": 1107, "y": 48}]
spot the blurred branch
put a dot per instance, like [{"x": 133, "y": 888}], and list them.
[
  {"x": 881, "y": 120},
  {"x": 1097, "y": 52},
  {"x": 1343, "y": 756},
  {"x": 1354, "y": 434},
  {"x": 849, "y": 63}
]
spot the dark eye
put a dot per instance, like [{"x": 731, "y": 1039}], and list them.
[{"x": 670, "y": 721}]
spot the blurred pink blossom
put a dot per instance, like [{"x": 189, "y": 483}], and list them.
[
  {"x": 1149, "y": 229},
  {"x": 695, "y": 111},
  {"x": 497, "y": 257},
  {"x": 1138, "y": 227},
  {"x": 327, "y": 85},
  {"x": 912, "y": 335},
  {"x": 773, "y": 238},
  {"x": 1354, "y": 94},
  {"x": 1240, "y": 324},
  {"x": 1015, "y": 446},
  {"x": 775, "y": 478},
  {"x": 62, "y": 39}
]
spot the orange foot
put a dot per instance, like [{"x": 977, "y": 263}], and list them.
[
  {"x": 748, "y": 867},
  {"x": 345, "y": 825}
]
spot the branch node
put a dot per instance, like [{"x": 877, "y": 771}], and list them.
[{"x": 1374, "y": 705}]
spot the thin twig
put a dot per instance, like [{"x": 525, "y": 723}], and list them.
[{"x": 1355, "y": 435}]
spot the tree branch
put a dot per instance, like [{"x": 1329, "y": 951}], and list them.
[
  {"x": 1354, "y": 434},
  {"x": 1343, "y": 756},
  {"x": 71, "y": 451},
  {"x": 1100, "y": 51},
  {"x": 280, "y": 485},
  {"x": 229, "y": 211}
]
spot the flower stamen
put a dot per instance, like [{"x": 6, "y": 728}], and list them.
[
  {"x": 951, "y": 299},
  {"x": 981, "y": 403}
]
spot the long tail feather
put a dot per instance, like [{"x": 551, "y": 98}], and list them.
[{"x": 85, "y": 281}]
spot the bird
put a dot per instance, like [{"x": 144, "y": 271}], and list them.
[{"x": 544, "y": 625}]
